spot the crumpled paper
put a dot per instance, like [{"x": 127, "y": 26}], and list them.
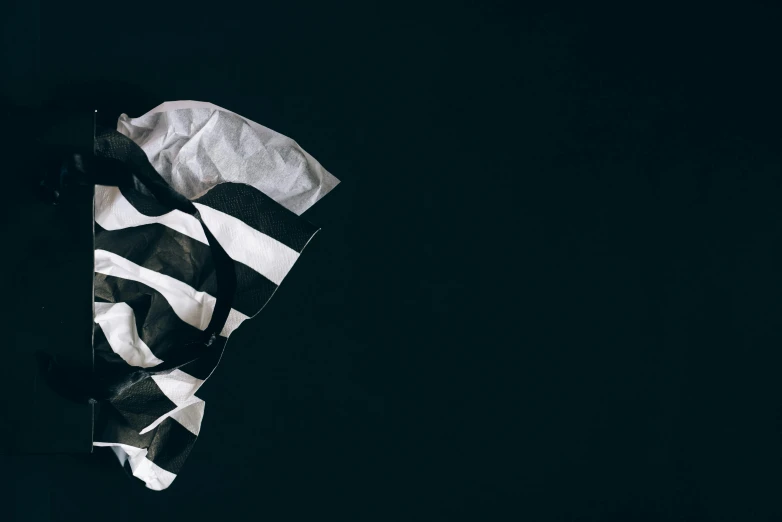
[
  {"x": 155, "y": 282},
  {"x": 197, "y": 145}
]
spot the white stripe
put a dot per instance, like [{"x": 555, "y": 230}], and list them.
[
  {"x": 192, "y": 401},
  {"x": 155, "y": 477},
  {"x": 114, "y": 212},
  {"x": 191, "y": 416},
  {"x": 243, "y": 243},
  {"x": 178, "y": 386},
  {"x": 235, "y": 318},
  {"x": 193, "y": 307},
  {"x": 119, "y": 326}
]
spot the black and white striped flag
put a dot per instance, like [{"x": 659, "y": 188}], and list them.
[{"x": 155, "y": 282}]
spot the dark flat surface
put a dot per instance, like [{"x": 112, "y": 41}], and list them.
[
  {"x": 47, "y": 265},
  {"x": 548, "y": 287}
]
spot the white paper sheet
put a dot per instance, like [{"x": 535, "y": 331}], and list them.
[{"x": 197, "y": 145}]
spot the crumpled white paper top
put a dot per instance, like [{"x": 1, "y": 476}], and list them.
[{"x": 197, "y": 145}]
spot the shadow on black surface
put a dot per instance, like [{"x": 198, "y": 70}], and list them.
[{"x": 110, "y": 98}]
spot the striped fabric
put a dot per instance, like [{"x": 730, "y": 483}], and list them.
[{"x": 155, "y": 282}]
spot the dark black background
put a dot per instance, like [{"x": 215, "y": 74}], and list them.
[{"x": 548, "y": 287}]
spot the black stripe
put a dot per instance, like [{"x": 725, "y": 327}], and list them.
[
  {"x": 171, "y": 445},
  {"x": 245, "y": 203},
  {"x": 167, "y": 445},
  {"x": 123, "y": 163},
  {"x": 261, "y": 212},
  {"x": 142, "y": 404},
  {"x": 124, "y": 417},
  {"x": 166, "y": 251},
  {"x": 159, "y": 327},
  {"x": 112, "y": 426},
  {"x": 145, "y": 204}
]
